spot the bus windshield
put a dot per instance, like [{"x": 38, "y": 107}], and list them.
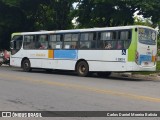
[{"x": 147, "y": 36}]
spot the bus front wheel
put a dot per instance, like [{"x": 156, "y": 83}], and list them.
[
  {"x": 26, "y": 65},
  {"x": 82, "y": 69}
]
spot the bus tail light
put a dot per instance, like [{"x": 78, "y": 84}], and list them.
[{"x": 154, "y": 58}]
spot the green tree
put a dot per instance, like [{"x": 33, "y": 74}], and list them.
[
  {"x": 11, "y": 19},
  {"x": 33, "y": 15},
  {"x": 48, "y": 14},
  {"x": 101, "y": 13},
  {"x": 149, "y": 9}
]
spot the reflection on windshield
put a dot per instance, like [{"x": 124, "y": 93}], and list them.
[{"x": 147, "y": 36}]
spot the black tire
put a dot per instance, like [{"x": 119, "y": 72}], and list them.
[
  {"x": 82, "y": 69},
  {"x": 26, "y": 65},
  {"x": 103, "y": 74},
  {"x": 1, "y": 64}
]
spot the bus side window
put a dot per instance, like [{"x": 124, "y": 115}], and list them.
[
  {"x": 41, "y": 42},
  {"x": 124, "y": 39},
  {"x": 88, "y": 40},
  {"x": 106, "y": 40},
  {"x": 59, "y": 41},
  {"x": 52, "y": 42},
  {"x": 67, "y": 41},
  {"x": 29, "y": 42},
  {"x": 55, "y": 41},
  {"x": 120, "y": 44},
  {"x": 74, "y": 44},
  {"x": 70, "y": 41},
  {"x": 17, "y": 42}
]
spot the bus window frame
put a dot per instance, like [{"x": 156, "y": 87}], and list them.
[
  {"x": 30, "y": 42},
  {"x": 37, "y": 40},
  {"x": 88, "y": 41},
  {"x": 71, "y": 41},
  {"x": 116, "y": 40},
  {"x": 13, "y": 49},
  {"x": 61, "y": 41}
]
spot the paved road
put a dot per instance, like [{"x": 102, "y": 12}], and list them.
[{"x": 65, "y": 91}]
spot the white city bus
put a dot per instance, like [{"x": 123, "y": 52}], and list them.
[{"x": 100, "y": 50}]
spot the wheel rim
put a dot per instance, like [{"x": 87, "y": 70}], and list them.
[
  {"x": 26, "y": 66},
  {"x": 82, "y": 69}
]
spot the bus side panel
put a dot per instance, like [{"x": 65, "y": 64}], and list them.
[
  {"x": 15, "y": 60},
  {"x": 107, "y": 66},
  {"x": 105, "y": 60},
  {"x": 60, "y": 59},
  {"x": 36, "y": 57}
]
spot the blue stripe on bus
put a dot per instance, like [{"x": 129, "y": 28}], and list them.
[{"x": 65, "y": 54}]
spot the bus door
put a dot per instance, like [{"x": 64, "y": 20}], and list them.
[{"x": 146, "y": 47}]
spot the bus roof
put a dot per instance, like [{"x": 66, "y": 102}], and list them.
[{"x": 83, "y": 30}]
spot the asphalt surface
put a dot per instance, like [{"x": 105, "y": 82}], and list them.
[{"x": 65, "y": 91}]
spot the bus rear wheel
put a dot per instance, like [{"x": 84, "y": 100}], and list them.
[
  {"x": 103, "y": 74},
  {"x": 26, "y": 65},
  {"x": 82, "y": 69}
]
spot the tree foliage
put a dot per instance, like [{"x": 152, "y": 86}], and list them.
[
  {"x": 34, "y": 15},
  {"x": 98, "y": 13}
]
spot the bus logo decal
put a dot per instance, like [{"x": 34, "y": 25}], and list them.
[{"x": 123, "y": 52}]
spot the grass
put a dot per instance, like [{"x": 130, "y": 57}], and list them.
[{"x": 158, "y": 66}]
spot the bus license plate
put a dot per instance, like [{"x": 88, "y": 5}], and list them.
[{"x": 146, "y": 63}]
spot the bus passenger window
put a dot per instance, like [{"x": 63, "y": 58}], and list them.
[
  {"x": 84, "y": 45},
  {"x": 124, "y": 39},
  {"x": 108, "y": 45},
  {"x": 88, "y": 40},
  {"x": 38, "y": 44},
  {"x": 67, "y": 41},
  {"x": 52, "y": 42},
  {"x": 17, "y": 42},
  {"x": 120, "y": 45},
  {"x": 42, "y": 42},
  {"x": 124, "y": 35},
  {"x": 55, "y": 42},
  {"x": 126, "y": 44},
  {"x": 29, "y": 42},
  {"x": 107, "y": 40},
  {"x": 71, "y": 41}
]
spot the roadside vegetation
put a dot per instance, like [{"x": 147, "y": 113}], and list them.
[
  {"x": 35, "y": 15},
  {"x": 158, "y": 66}
]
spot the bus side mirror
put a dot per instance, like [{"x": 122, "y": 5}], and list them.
[{"x": 11, "y": 45}]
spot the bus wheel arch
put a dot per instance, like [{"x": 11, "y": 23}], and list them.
[
  {"x": 26, "y": 65},
  {"x": 82, "y": 68}
]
